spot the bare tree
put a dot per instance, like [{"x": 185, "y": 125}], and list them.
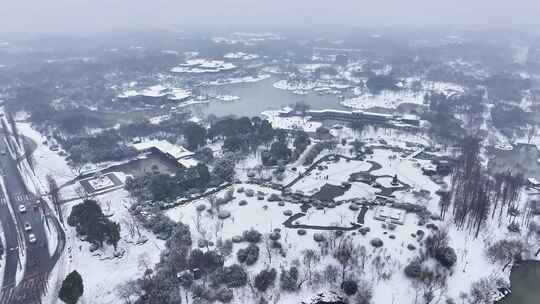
[
  {"x": 346, "y": 254},
  {"x": 129, "y": 291},
  {"x": 362, "y": 255},
  {"x": 310, "y": 259},
  {"x": 532, "y": 131}
]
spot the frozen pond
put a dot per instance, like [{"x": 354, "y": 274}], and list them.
[{"x": 256, "y": 97}]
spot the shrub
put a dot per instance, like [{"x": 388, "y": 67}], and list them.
[
  {"x": 318, "y": 237},
  {"x": 439, "y": 239},
  {"x": 504, "y": 250},
  {"x": 252, "y": 236},
  {"x": 233, "y": 276},
  {"x": 274, "y": 197},
  {"x": 514, "y": 227},
  {"x": 413, "y": 270},
  {"x": 289, "y": 279},
  {"x": 349, "y": 287},
  {"x": 376, "y": 242},
  {"x": 249, "y": 255},
  {"x": 446, "y": 256},
  {"x": 72, "y": 288},
  {"x": 224, "y": 295},
  {"x": 265, "y": 279},
  {"x": 274, "y": 236},
  {"x": 208, "y": 261}
]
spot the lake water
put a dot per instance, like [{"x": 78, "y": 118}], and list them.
[
  {"x": 525, "y": 280},
  {"x": 259, "y": 96},
  {"x": 523, "y": 158}
]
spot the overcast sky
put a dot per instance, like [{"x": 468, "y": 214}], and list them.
[{"x": 33, "y": 16}]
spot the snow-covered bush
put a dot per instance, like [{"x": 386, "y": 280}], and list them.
[
  {"x": 224, "y": 295},
  {"x": 289, "y": 279},
  {"x": 349, "y": 287},
  {"x": 265, "y": 279},
  {"x": 252, "y": 236},
  {"x": 233, "y": 276},
  {"x": 413, "y": 269},
  {"x": 503, "y": 251},
  {"x": 446, "y": 256},
  {"x": 249, "y": 255}
]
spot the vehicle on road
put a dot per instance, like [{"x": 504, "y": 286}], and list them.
[
  {"x": 32, "y": 238},
  {"x": 3, "y": 152},
  {"x": 27, "y": 226},
  {"x": 22, "y": 208}
]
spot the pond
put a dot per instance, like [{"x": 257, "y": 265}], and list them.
[
  {"x": 523, "y": 158},
  {"x": 525, "y": 280},
  {"x": 259, "y": 96}
]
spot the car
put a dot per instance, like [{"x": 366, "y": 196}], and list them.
[
  {"x": 3, "y": 152},
  {"x": 27, "y": 226},
  {"x": 32, "y": 238},
  {"x": 22, "y": 208}
]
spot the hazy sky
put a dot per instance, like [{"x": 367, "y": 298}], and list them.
[{"x": 33, "y": 16}]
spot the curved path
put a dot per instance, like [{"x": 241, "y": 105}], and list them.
[{"x": 289, "y": 224}]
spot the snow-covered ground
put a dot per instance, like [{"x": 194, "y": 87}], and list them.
[
  {"x": 385, "y": 99},
  {"x": 291, "y": 123},
  {"x": 228, "y": 97},
  {"x": 294, "y": 86},
  {"x": 47, "y": 162},
  {"x": 198, "y": 66},
  {"x": 337, "y": 173},
  {"x": 101, "y": 270},
  {"x": 240, "y": 56},
  {"x": 384, "y": 266},
  {"x": 235, "y": 80},
  {"x": 158, "y": 90}
]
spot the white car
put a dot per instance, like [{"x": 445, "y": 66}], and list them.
[
  {"x": 32, "y": 238},
  {"x": 27, "y": 226},
  {"x": 22, "y": 208}
]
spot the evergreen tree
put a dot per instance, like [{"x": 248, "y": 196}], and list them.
[{"x": 72, "y": 288}]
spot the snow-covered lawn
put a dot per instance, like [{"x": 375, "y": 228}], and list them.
[
  {"x": 337, "y": 173},
  {"x": 385, "y": 99},
  {"x": 102, "y": 272}
]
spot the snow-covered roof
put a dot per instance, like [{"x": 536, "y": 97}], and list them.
[
  {"x": 164, "y": 146},
  {"x": 373, "y": 114},
  {"x": 533, "y": 181},
  {"x": 188, "y": 162},
  {"x": 329, "y": 111}
]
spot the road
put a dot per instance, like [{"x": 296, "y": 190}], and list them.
[{"x": 37, "y": 263}]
